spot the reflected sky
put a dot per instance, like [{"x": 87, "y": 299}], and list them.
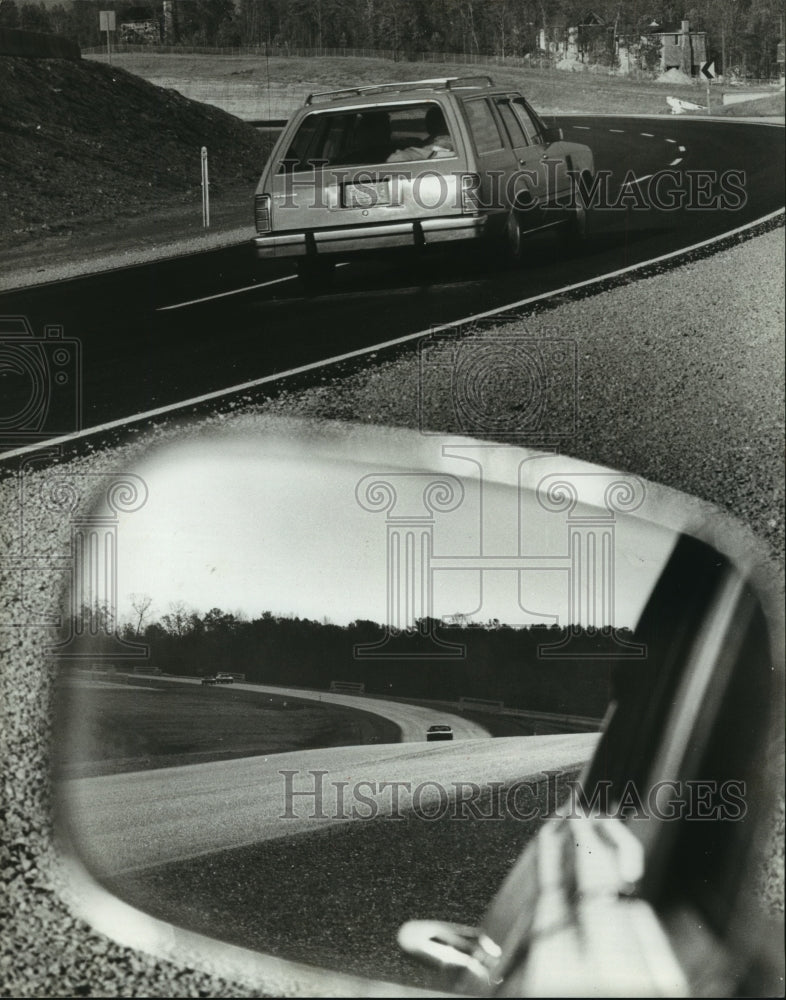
[{"x": 265, "y": 524}]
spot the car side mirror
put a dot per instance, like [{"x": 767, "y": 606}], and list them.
[
  {"x": 302, "y": 641},
  {"x": 552, "y": 134}
]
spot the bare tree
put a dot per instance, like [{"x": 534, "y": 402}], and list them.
[{"x": 141, "y": 605}]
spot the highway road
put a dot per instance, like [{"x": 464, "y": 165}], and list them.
[
  {"x": 133, "y": 821},
  {"x": 156, "y": 335},
  {"x": 412, "y": 720}
]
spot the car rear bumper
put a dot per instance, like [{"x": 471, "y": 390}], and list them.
[{"x": 351, "y": 239}]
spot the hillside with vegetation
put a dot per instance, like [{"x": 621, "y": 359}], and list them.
[{"x": 82, "y": 144}]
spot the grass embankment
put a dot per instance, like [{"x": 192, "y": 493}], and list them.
[
  {"x": 336, "y": 898},
  {"x": 116, "y": 727},
  {"x": 551, "y": 91},
  {"x": 84, "y": 145},
  {"x": 771, "y": 106}
]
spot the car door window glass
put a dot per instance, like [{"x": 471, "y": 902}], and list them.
[
  {"x": 483, "y": 126},
  {"x": 518, "y": 135},
  {"x": 530, "y": 123}
]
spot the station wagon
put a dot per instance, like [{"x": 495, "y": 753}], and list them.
[{"x": 416, "y": 165}]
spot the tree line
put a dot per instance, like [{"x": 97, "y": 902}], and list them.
[
  {"x": 530, "y": 668},
  {"x": 742, "y": 34}
]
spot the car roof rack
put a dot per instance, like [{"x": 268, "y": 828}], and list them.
[{"x": 444, "y": 83}]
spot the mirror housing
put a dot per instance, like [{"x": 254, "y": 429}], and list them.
[{"x": 552, "y": 134}]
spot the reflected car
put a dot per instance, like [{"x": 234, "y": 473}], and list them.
[
  {"x": 438, "y": 733},
  {"x": 415, "y": 166}
]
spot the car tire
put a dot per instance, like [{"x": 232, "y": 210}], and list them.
[
  {"x": 575, "y": 231},
  {"x": 316, "y": 274},
  {"x": 512, "y": 242}
]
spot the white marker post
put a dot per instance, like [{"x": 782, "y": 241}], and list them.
[
  {"x": 205, "y": 191},
  {"x": 708, "y": 72},
  {"x": 106, "y": 22}
]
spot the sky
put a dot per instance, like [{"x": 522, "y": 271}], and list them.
[{"x": 251, "y": 525}]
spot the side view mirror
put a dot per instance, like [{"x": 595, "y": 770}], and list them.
[
  {"x": 321, "y": 657},
  {"x": 552, "y": 134}
]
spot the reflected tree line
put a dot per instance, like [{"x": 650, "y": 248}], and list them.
[{"x": 530, "y": 667}]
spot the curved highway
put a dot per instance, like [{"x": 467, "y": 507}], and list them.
[
  {"x": 412, "y": 720},
  {"x": 156, "y": 335},
  {"x": 125, "y": 822}
]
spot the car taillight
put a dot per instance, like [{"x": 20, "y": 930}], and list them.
[
  {"x": 470, "y": 194},
  {"x": 262, "y": 213}
]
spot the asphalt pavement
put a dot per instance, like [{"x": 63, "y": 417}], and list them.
[
  {"x": 158, "y": 334},
  {"x": 140, "y": 819}
]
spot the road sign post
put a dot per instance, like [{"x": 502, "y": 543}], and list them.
[
  {"x": 205, "y": 191},
  {"x": 106, "y": 22},
  {"x": 709, "y": 73}
]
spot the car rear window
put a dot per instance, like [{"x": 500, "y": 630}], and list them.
[{"x": 389, "y": 134}]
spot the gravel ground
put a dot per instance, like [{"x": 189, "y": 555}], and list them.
[{"x": 679, "y": 378}]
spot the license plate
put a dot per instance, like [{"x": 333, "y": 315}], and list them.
[{"x": 366, "y": 194}]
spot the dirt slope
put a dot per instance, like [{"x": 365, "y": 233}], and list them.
[{"x": 82, "y": 143}]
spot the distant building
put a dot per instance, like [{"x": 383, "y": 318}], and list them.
[
  {"x": 140, "y": 33},
  {"x": 142, "y": 27},
  {"x": 595, "y": 40},
  {"x": 682, "y": 48}
]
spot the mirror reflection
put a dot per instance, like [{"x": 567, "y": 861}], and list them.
[{"x": 302, "y": 670}]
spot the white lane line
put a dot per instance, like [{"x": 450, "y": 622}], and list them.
[
  {"x": 675, "y": 162},
  {"x": 682, "y": 149},
  {"x": 224, "y": 295},
  {"x": 672, "y": 141},
  {"x": 620, "y": 130},
  {"x": 636, "y": 180},
  {"x": 234, "y": 291},
  {"x": 584, "y": 128},
  {"x": 647, "y": 135},
  {"x": 374, "y": 348}
]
